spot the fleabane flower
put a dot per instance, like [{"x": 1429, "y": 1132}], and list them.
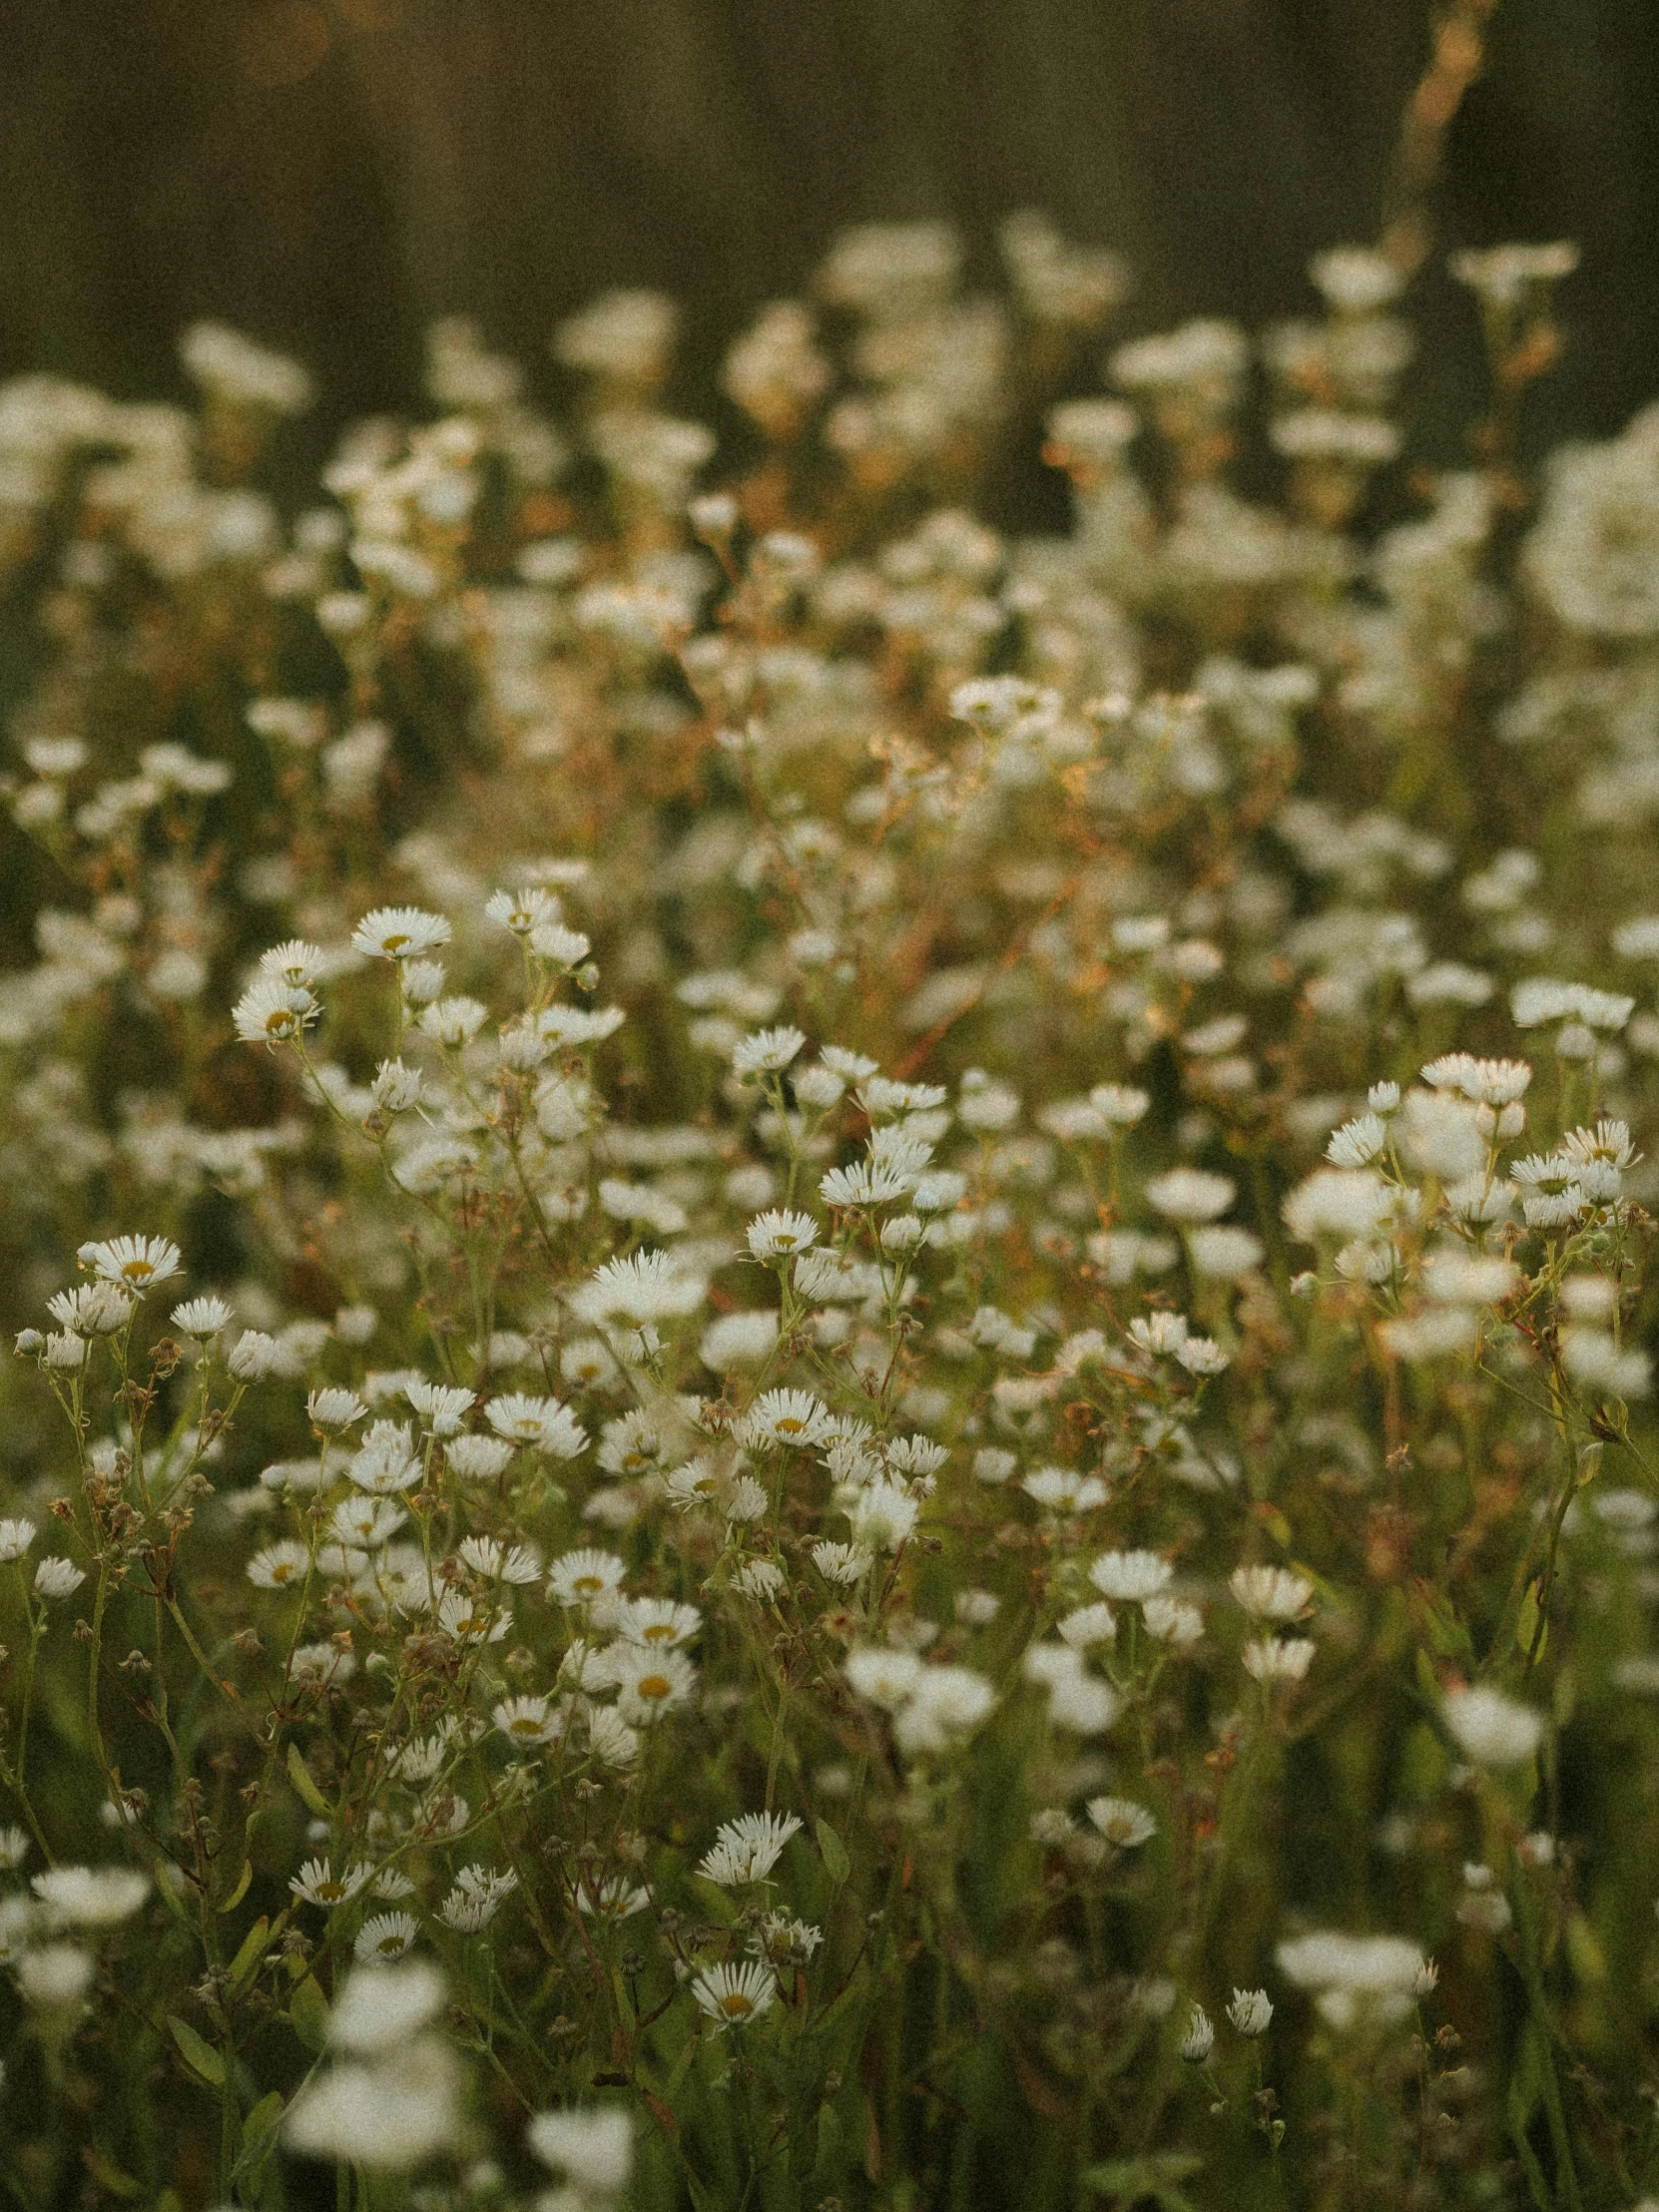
[
  {"x": 1121, "y": 1821},
  {"x": 649, "y": 1683},
  {"x": 90, "y": 1897},
  {"x": 384, "y": 1937},
  {"x": 544, "y": 1424},
  {"x": 1130, "y": 1576},
  {"x": 583, "y": 1577},
  {"x": 528, "y": 1721},
  {"x": 766, "y": 1052},
  {"x": 272, "y": 1012},
  {"x": 1269, "y": 1593},
  {"x": 746, "y": 1849},
  {"x": 201, "y": 1318},
  {"x": 280, "y": 1566},
  {"x": 792, "y": 1418},
  {"x": 1190, "y": 1194},
  {"x": 1491, "y": 1729},
  {"x": 138, "y": 1263},
  {"x": 441, "y": 1405},
  {"x": 593, "y": 2148},
  {"x": 734, "y": 1994},
  {"x": 399, "y": 933},
  {"x": 15, "y": 1538},
  {"x": 1250, "y": 2010},
  {"x": 779, "y": 1235},
  {"x": 1200, "y": 2039},
  {"x": 317, "y": 1884},
  {"x": 58, "y": 1577},
  {"x": 522, "y": 911}
]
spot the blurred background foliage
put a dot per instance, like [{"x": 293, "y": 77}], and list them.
[{"x": 330, "y": 175}]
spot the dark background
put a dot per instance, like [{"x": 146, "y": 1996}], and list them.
[{"x": 330, "y": 174}]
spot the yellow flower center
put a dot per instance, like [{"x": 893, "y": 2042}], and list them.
[
  {"x": 736, "y": 2005},
  {"x": 654, "y": 1685}
]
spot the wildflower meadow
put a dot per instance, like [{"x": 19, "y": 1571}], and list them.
[{"x": 832, "y": 1330}]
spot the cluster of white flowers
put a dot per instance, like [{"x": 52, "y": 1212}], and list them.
[{"x": 910, "y": 1289}]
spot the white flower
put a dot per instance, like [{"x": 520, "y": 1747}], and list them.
[
  {"x": 253, "y": 1356},
  {"x": 1338, "y": 1203},
  {"x": 884, "y": 1516},
  {"x": 545, "y": 1424},
  {"x": 591, "y": 2146},
  {"x": 766, "y": 1052},
  {"x": 87, "y": 1896},
  {"x": 746, "y": 1849},
  {"x": 1269, "y": 1593},
  {"x": 739, "y": 1340},
  {"x": 138, "y": 1263},
  {"x": 399, "y": 933},
  {"x": 383, "y": 1937},
  {"x": 1224, "y": 1253},
  {"x": 1591, "y": 1357},
  {"x": 272, "y": 1011},
  {"x": 645, "y": 1287},
  {"x": 529, "y": 1721},
  {"x": 1200, "y": 2039},
  {"x": 732, "y": 1995},
  {"x": 57, "y": 1577},
  {"x": 280, "y": 1566},
  {"x": 335, "y": 1408},
  {"x": 947, "y": 1703},
  {"x": 201, "y": 1318},
  {"x": 391, "y": 2114},
  {"x": 443, "y": 1405},
  {"x": 1356, "y": 1975},
  {"x": 317, "y": 1884},
  {"x": 1130, "y": 1576},
  {"x": 885, "y": 1676},
  {"x": 15, "y": 1538},
  {"x": 1278, "y": 1658},
  {"x": 779, "y": 1235},
  {"x": 477, "y": 1896},
  {"x": 55, "y": 1977},
  {"x": 650, "y": 1683},
  {"x": 1357, "y": 1143},
  {"x": 794, "y": 1419},
  {"x": 1190, "y": 1194},
  {"x": 844, "y": 1565},
  {"x": 1249, "y": 2011},
  {"x": 1494, "y": 1730},
  {"x": 1087, "y": 1625},
  {"x": 522, "y": 912},
  {"x": 1171, "y": 1621},
  {"x": 1121, "y": 1821}
]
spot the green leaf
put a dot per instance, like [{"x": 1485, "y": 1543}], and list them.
[
  {"x": 241, "y": 1891},
  {"x": 199, "y": 2056},
  {"x": 300, "y": 1776},
  {"x": 309, "y": 2011},
  {"x": 837, "y": 1863},
  {"x": 702, "y": 2196},
  {"x": 109, "y": 2177},
  {"x": 246, "y": 1965},
  {"x": 258, "y": 2136},
  {"x": 1157, "y": 2175},
  {"x": 1527, "y": 1619}
]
